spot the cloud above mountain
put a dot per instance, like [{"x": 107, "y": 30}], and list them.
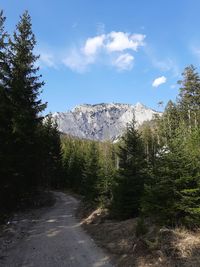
[
  {"x": 46, "y": 59},
  {"x": 120, "y": 41},
  {"x": 93, "y": 44},
  {"x": 158, "y": 81},
  {"x": 124, "y": 62},
  {"x": 115, "y": 48}
]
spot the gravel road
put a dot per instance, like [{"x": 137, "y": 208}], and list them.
[{"x": 56, "y": 239}]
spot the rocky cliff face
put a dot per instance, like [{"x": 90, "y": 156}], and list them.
[{"x": 101, "y": 121}]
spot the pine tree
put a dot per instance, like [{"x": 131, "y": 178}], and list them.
[
  {"x": 26, "y": 105},
  {"x": 160, "y": 193},
  {"x": 131, "y": 175}
]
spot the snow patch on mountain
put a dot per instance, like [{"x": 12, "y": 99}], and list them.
[{"x": 101, "y": 121}]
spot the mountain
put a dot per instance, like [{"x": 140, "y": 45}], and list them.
[{"x": 101, "y": 121}]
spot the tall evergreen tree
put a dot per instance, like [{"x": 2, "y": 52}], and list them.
[
  {"x": 25, "y": 90},
  {"x": 131, "y": 175}
]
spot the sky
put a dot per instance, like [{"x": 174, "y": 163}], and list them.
[{"x": 95, "y": 51}]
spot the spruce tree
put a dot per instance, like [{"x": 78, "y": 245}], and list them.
[
  {"x": 161, "y": 194},
  {"x": 26, "y": 105},
  {"x": 131, "y": 175}
]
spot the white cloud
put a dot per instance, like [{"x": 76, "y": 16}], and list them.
[
  {"x": 93, "y": 44},
  {"x": 77, "y": 61},
  {"x": 124, "y": 62},
  {"x": 113, "y": 42},
  {"x": 158, "y": 81},
  {"x": 47, "y": 60},
  {"x": 114, "y": 49},
  {"x": 120, "y": 41},
  {"x": 107, "y": 49}
]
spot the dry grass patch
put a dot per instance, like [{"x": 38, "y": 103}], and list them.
[{"x": 156, "y": 247}]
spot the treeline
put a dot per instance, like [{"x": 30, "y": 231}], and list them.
[
  {"x": 153, "y": 171},
  {"x": 30, "y": 155},
  {"x": 89, "y": 168},
  {"x": 107, "y": 174},
  {"x": 172, "y": 192}
]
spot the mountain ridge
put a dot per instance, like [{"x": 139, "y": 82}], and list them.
[{"x": 101, "y": 121}]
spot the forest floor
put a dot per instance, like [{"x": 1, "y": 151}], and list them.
[
  {"x": 145, "y": 246},
  {"x": 49, "y": 237}
]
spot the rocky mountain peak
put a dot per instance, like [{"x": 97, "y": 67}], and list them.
[{"x": 101, "y": 121}]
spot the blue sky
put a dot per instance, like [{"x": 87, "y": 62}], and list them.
[{"x": 111, "y": 51}]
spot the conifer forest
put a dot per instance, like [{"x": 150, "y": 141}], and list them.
[
  {"x": 147, "y": 178},
  {"x": 152, "y": 171}
]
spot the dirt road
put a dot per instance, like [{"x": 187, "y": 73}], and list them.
[{"x": 56, "y": 239}]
